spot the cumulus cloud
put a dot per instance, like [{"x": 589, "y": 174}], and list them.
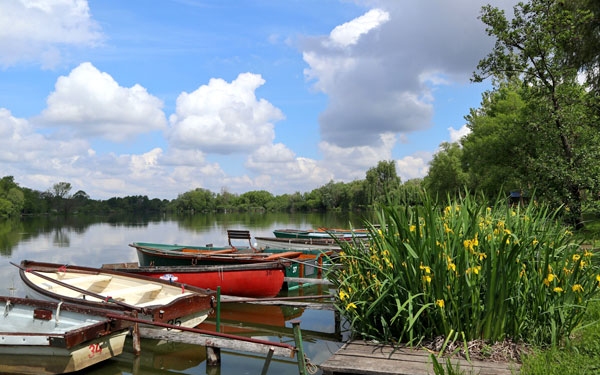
[
  {"x": 457, "y": 134},
  {"x": 34, "y": 158},
  {"x": 224, "y": 118},
  {"x": 350, "y": 163},
  {"x": 91, "y": 103},
  {"x": 269, "y": 162},
  {"x": 348, "y": 33},
  {"x": 38, "y": 30},
  {"x": 381, "y": 80},
  {"x": 414, "y": 166}
]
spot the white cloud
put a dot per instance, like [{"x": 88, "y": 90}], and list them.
[
  {"x": 270, "y": 162},
  {"x": 413, "y": 166},
  {"x": 37, "y": 30},
  {"x": 91, "y": 103},
  {"x": 457, "y": 134},
  {"x": 348, "y": 33},
  {"x": 223, "y": 117},
  {"x": 379, "y": 69},
  {"x": 146, "y": 165},
  {"x": 350, "y": 163}
]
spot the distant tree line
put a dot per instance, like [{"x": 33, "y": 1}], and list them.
[
  {"x": 16, "y": 201},
  {"x": 381, "y": 184}
]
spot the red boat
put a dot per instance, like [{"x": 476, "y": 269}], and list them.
[{"x": 257, "y": 280}]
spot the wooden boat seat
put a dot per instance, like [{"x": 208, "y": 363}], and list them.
[
  {"x": 233, "y": 234},
  {"x": 139, "y": 289},
  {"x": 163, "y": 301},
  {"x": 287, "y": 254},
  {"x": 91, "y": 279},
  {"x": 209, "y": 252}
]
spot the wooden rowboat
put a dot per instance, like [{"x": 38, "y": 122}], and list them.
[
  {"x": 297, "y": 244},
  {"x": 300, "y": 263},
  {"x": 152, "y": 299},
  {"x": 321, "y": 233},
  {"x": 156, "y": 254},
  {"x": 42, "y": 337},
  {"x": 256, "y": 280}
]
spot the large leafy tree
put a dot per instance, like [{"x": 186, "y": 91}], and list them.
[
  {"x": 446, "y": 176},
  {"x": 583, "y": 50},
  {"x": 382, "y": 182},
  {"x": 12, "y": 199},
  {"x": 532, "y": 46},
  {"x": 497, "y": 150}
]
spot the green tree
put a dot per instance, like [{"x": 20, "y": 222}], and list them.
[
  {"x": 411, "y": 192},
  {"x": 357, "y": 195},
  {"x": 255, "y": 199},
  {"x": 12, "y": 199},
  {"x": 225, "y": 200},
  {"x": 583, "y": 50},
  {"x": 382, "y": 182},
  {"x": 497, "y": 150},
  {"x": 197, "y": 200},
  {"x": 446, "y": 176},
  {"x": 34, "y": 203},
  {"x": 61, "y": 190},
  {"x": 531, "y": 46},
  {"x": 334, "y": 196}
]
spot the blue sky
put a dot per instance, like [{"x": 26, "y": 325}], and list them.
[{"x": 161, "y": 97}]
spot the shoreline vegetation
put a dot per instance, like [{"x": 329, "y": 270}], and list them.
[{"x": 496, "y": 282}]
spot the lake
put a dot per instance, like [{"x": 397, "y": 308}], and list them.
[{"x": 94, "y": 241}]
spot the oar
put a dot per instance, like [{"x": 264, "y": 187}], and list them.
[{"x": 80, "y": 290}]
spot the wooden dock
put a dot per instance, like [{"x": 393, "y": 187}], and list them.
[{"x": 360, "y": 357}]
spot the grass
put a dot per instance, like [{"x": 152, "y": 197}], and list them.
[{"x": 580, "y": 357}]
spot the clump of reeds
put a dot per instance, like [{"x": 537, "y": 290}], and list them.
[{"x": 489, "y": 272}]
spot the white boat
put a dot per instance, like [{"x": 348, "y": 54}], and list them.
[
  {"x": 152, "y": 299},
  {"x": 42, "y": 337}
]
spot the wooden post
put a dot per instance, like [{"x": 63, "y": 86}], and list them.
[
  {"x": 135, "y": 334},
  {"x": 299, "y": 347},
  {"x": 213, "y": 356},
  {"x": 218, "y": 323},
  {"x": 268, "y": 361}
]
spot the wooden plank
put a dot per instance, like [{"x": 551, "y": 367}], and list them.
[
  {"x": 205, "y": 340},
  {"x": 87, "y": 279},
  {"x": 359, "y": 357},
  {"x": 308, "y": 280},
  {"x": 138, "y": 289}
]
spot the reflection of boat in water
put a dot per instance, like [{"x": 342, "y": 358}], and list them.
[
  {"x": 247, "y": 319},
  {"x": 252, "y": 314},
  {"x": 258, "y": 320},
  {"x": 160, "y": 357},
  {"x": 157, "y": 357}
]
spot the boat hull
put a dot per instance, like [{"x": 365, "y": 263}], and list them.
[
  {"x": 252, "y": 280},
  {"x": 40, "y": 337},
  {"x": 299, "y": 263}
]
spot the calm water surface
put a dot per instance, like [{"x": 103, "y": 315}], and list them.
[{"x": 95, "y": 241}]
